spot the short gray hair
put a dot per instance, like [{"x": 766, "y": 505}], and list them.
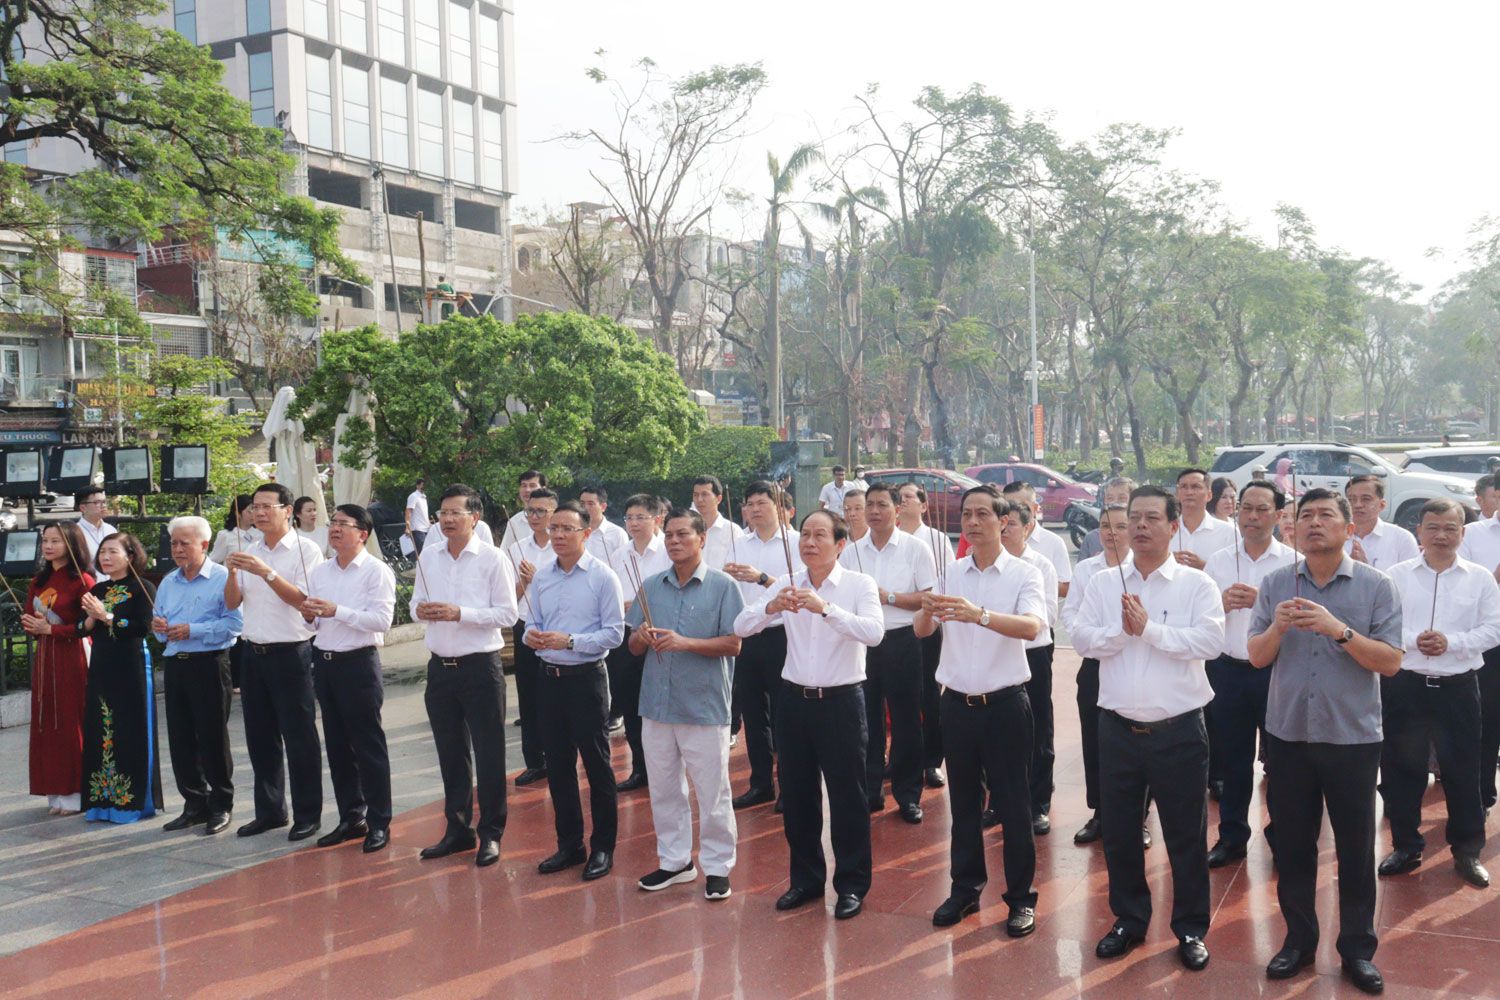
[{"x": 192, "y": 523}]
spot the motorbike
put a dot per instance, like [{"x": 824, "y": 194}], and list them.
[{"x": 1081, "y": 517}]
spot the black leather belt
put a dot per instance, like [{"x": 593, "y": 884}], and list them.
[
  {"x": 1447, "y": 680},
  {"x": 1237, "y": 661},
  {"x": 989, "y": 697},
  {"x": 454, "y": 662},
  {"x": 570, "y": 669},
  {"x": 199, "y": 655},
  {"x": 335, "y": 655},
  {"x": 272, "y": 648},
  {"x": 819, "y": 693},
  {"x": 1160, "y": 725}
]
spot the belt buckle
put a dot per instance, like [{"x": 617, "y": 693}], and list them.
[
  {"x": 327, "y": 654},
  {"x": 1140, "y": 730},
  {"x": 450, "y": 663},
  {"x": 976, "y": 700},
  {"x": 1432, "y": 682},
  {"x": 812, "y": 693},
  {"x": 551, "y": 671}
]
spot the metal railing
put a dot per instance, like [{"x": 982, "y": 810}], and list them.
[{"x": 31, "y": 388}]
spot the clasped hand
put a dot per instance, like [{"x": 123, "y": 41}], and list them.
[
  {"x": 797, "y": 599},
  {"x": 1309, "y": 616},
  {"x": 947, "y": 608}
]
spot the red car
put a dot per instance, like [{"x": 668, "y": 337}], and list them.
[
  {"x": 944, "y": 488},
  {"x": 1053, "y": 489}
]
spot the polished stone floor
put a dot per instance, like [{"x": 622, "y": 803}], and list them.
[{"x": 224, "y": 918}]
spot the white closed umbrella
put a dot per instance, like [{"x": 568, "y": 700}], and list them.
[
  {"x": 296, "y": 464},
  {"x": 352, "y": 479}
]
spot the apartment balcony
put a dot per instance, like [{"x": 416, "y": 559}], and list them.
[{"x": 33, "y": 390}]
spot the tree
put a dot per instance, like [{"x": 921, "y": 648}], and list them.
[
  {"x": 783, "y": 179},
  {"x": 257, "y": 321},
  {"x": 476, "y": 400},
  {"x": 665, "y": 175},
  {"x": 589, "y": 261}
]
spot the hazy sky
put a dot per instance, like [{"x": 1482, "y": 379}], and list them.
[{"x": 1379, "y": 120}]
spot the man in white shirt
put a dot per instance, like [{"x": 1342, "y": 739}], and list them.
[
  {"x": 643, "y": 555},
  {"x": 1376, "y": 543},
  {"x": 529, "y": 554},
  {"x": 911, "y": 518},
  {"x": 1040, "y": 539},
  {"x": 1481, "y": 545},
  {"x": 902, "y": 569},
  {"x": 1019, "y": 526},
  {"x": 466, "y": 593},
  {"x": 1151, "y": 641},
  {"x": 830, "y": 616},
  {"x": 518, "y": 526},
  {"x": 854, "y": 516},
  {"x": 1240, "y": 690},
  {"x": 417, "y": 521},
  {"x": 767, "y": 551},
  {"x": 1199, "y": 534},
  {"x": 1450, "y": 614},
  {"x": 276, "y": 688},
  {"x": 605, "y": 537},
  {"x": 1484, "y": 494},
  {"x": 1114, "y": 544},
  {"x": 350, "y": 608},
  {"x": 831, "y": 497},
  {"x": 990, "y": 604},
  {"x": 721, "y": 543},
  {"x": 93, "y": 504},
  {"x": 482, "y": 532}
]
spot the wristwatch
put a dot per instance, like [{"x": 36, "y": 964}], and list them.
[
  {"x": 984, "y": 618},
  {"x": 570, "y": 642},
  {"x": 763, "y": 580},
  {"x": 271, "y": 576},
  {"x": 890, "y": 598},
  {"x": 1348, "y": 634}
]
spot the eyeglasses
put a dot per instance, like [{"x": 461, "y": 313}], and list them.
[
  {"x": 258, "y": 507},
  {"x": 562, "y": 529},
  {"x": 336, "y": 523},
  {"x": 538, "y": 512},
  {"x": 638, "y": 518},
  {"x": 445, "y": 512}
]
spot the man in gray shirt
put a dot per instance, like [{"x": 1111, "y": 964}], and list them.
[
  {"x": 689, "y": 646},
  {"x": 1332, "y": 627}
]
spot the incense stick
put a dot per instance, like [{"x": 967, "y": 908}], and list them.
[
  {"x": 1235, "y": 523},
  {"x": 734, "y": 530},
  {"x": 1296, "y": 550},
  {"x": 786, "y": 545},
  {"x": 1432, "y": 619},
  {"x": 640, "y": 591}
]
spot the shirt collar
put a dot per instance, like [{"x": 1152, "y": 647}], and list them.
[
  {"x": 472, "y": 546},
  {"x": 1167, "y": 570},
  {"x": 1272, "y": 551},
  {"x": 700, "y": 573},
  {"x": 868, "y": 539},
  {"x": 286, "y": 541},
  {"x": 834, "y": 577},
  {"x": 360, "y": 555},
  {"x": 207, "y": 571},
  {"x": 1346, "y": 567},
  {"x": 998, "y": 565},
  {"x": 585, "y": 562}
]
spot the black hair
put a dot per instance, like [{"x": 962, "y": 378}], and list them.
[
  {"x": 358, "y": 514},
  {"x": 1376, "y": 481},
  {"x": 840, "y": 526},
  {"x": 710, "y": 481},
  {"x": 232, "y": 512},
  {"x": 1191, "y": 470},
  {"x": 649, "y": 503},
  {"x": 1148, "y": 491},
  {"x": 692, "y": 515},
  {"x": 83, "y": 495},
  {"x": 761, "y": 488},
  {"x": 599, "y": 493},
  {"x": 135, "y": 552},
  {"x": 921, "y": 493},
  {"x": 894, "y": 492},
  {"x": 1218, "y": 488},
  {"x": 540, "y": 477},
  {"x": 1001, "y": 506},
  {"x": 472, "y": 503},
  {"x": 1323, "y": 493},
  {"x": 1278, "y": 495},
  {"x": 542, "y": 493},
  {"x": 572, "y": 507},
  {"x": 283, "y": 495}
]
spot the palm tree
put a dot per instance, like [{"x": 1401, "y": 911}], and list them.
[
  {"x": 783, "y": 178},
  {"x": 847, "y": 351}
]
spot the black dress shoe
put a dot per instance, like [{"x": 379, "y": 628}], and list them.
[
  {"x": 954, "y": 909},
  {"x": 301, "y": 831},
  {"x": 934, "y": 778},
  {"x": 753, "y": 797},
  {"x": 911, "y": 812},
  {"x": 798, "y": 896},
  {"x": 1472, "y": 872},
  {"x": 1221, "y": 854},
  {"x": 1399, "y": 862},
  {"x": 217, "y": 823},
  {"x": 989, "y": 819},
  {"x": 343, "y": 832},
  {"x": 1193, "y": 952},
  {"x": 876, "y": 805},
  {"x": 1022, "y": 921},
  {"x": 848, "y": 906},
  {"x": 1363, "y": 974},
  {"x": 601, "y": 863},
  {"x": 489, "y": 853},
  {"x": 562, "y": 859},
  {"x": 530, "y": 776},
  {"x": 184, "y": 821},
  {"x": 376, "y": 840},
  {"x": 451, "y": 843},
  {"x": 1288, "y": 962},
  {"x": 1089, "y": 832},
  {"x": 1041, "y": 824},
  {"x": 636, "y": 780},
  {"x": 257, "y": 826},
  {"x": 1116, "y": 943}
]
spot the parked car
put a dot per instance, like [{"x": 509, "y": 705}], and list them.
[
  {"x": 1332, "y": 465},
  {"x": 1464, "y": 428},
  {"x": 1466, "y": 462},
  {"x": 1054, "y": 490},
  {"x": 944, "y": 488}
]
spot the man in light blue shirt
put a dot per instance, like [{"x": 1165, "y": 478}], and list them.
[
  {"x": 190, "y": 617},
  {"x": 577, "y": 616}
]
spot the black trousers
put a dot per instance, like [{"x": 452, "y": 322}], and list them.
[
  {"x": 1238, "y": 712},
  {"x": 821, "y": 742},
  {"x": 418, "y": 539},
  {"x": 1444, "y": 717},
  {"x": 350, "y": 695},
  {"x": 1303, "y": 777},
  {"x": 893, "y": 682},
  {"x": 465, "y": 701},
  {"x": 757, "y": 686},
  {"x": 1170, "y": 758},
  {"x": 1043, "y": 755},
  {"x": 1088, "y": 724},
  {"x": 574, "y": 713},
  {"x": 197, "y": 702},
  {"x": 276, "y": 693},
  {"x": 932, "y": 729},
  {"x": 989, "y": 747},
  {"x": 527, "y": 667},
  {"x": 1489, "y": 733},
  {"x": 625, "y": 697}
]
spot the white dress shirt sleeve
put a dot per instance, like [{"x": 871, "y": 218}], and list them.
[
  {"x": 1099, "y": 630},
  {"x": 1202, "y": 636},
  {"x": 375, "y": 616},
  {"x": 1486, "y": 631},
  {"x": 499, "y": 610},
  {"x": 863, "y": 623}
]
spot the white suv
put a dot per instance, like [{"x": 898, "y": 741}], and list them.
[{"x": 1333, "y": 465}]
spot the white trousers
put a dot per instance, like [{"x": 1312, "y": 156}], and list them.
[{"x": 675, "y": 755}]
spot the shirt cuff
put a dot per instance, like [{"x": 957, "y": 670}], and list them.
[{"x": 342, "y": 613}]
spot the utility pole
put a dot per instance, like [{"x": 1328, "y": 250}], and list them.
[{"x": 1033, "y": 373}]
